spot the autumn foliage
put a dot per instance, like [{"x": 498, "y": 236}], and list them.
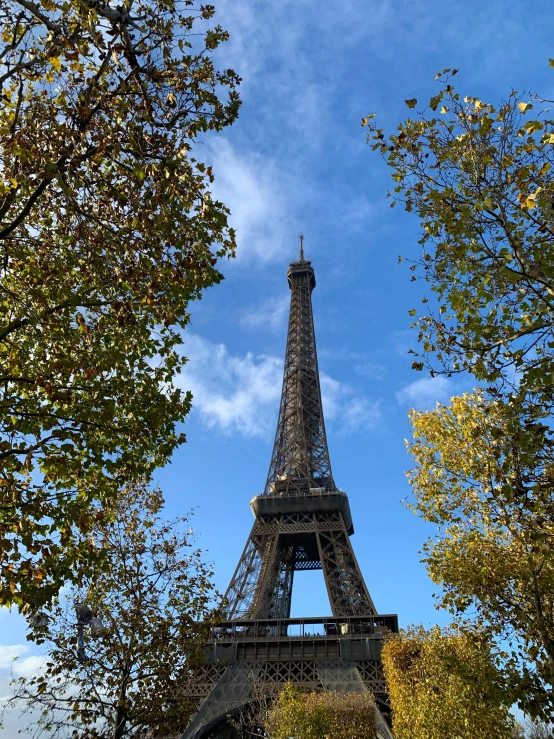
[
  {"x": 107, "y": 231},
  {"x": 444, "y": 685},
  {"x": 326, "y": 715},
  {"x": 484, "y": 475},
  {"x": 132, "y": 679},
  {"x": 479, "y": 175}
]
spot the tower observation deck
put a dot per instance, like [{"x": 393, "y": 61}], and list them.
[{"x": 302, "y": 521}]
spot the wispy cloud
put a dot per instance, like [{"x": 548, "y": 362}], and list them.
[
  {"x": 255, "y": 190},
  {"x": 28, "y": 666},
  {"x": 361, "y": 413},
  {"x": 347, "y": 410},
  {"x": 370, "y": 370},
  {"x": 426, "y": 392},
  {"x": 9, "y": 652},
  {"x": 232, "y": 392},
  {"x": 236, "y": 393},
  {"x": 13, "y": 661},
  {"x": 270, "y": 313},
  {"x": 403, "y": 341}
]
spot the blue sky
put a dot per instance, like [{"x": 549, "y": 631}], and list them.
[{"x": 297, "y": 160}]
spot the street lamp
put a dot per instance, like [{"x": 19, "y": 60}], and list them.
[
  {"x": 38, "y": 620},
  {"x": 85, "y": 617}
]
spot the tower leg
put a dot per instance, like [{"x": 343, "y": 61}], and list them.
[
  {"x": 243, "y": 593},
  {"x": 226, "y": 698},
  {"x": 346, "y": 588}
]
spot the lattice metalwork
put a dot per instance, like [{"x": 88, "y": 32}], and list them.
[
  {"x": 347, "y": 590},
  {"x": 238, "y": 682},
  {"x": 300, "y": 459},
  {"x": 226, "y": 697},
  {"x": 371, "y": 672},
  {"x": 302, "y": 522},
  {"x": 262, "y": 584},
  {"x": 244, "y": 582},
  {"x": 298, "y": 672},
  {"x": 204, "y": 680}
]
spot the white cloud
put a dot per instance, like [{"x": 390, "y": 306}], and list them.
[
  {"x": 28, "y": 666},
  {"x": 12, "y": 660},
  {"x": 8, "y": 652},
  {"x": 426, "y": 392},
  {"x": 350, "y": 411},
  {"x": 361, "y": 413},
  {"x": 13, "y": 664},
  {"x": 240, "y": 394},
  {"x": 272, "y": 313},
  {"x": 267, "y": 168},
  {"x": 232, "y": 392},
  {"x": 256, "y": 192}
]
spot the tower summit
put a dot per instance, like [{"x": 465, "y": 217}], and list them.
[
  {"x": 300, "y": 460},
  {"x": 302, "y": 521}
]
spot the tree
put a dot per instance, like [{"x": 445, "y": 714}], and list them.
[
  {"x": 322, "y": 715},
  {"x": 537, "y": 730},
  {"x": 107, "y": 231},
  {"x": 443, "y": 684},
  {"x": 484, "y": 475},
  {"x": 480, "y": 178},
  {"x": 532, "y": 730},
  {"x": 251, "y": 721},
  {"x": 130, "y": 680}
]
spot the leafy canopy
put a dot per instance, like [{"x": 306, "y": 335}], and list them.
[
  {"x": 326, "y": 715},
  {"x": 479, "y": 175},
  {"x": 484, "y": 474},
  {"x": 134, "y": 676},
  {"x": 107, "y": 231},
  {"x": 443, "y": 684}
]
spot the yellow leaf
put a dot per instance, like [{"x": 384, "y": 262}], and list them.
[
  {"x": 545, "y": 167},
  {"x": 533, "y": 126},
  {"x": 524, "y": 107},
  {"x": 530, "y": 199},
  {"x": 434, "y": 102},
  {"x": 411, "y": 103}
]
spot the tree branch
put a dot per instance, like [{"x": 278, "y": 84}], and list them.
[{"x": 35, "y": 10}]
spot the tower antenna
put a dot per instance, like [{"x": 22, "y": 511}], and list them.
[{"x": 301, "y": 255}]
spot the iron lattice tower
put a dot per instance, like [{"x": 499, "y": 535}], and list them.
[{"x": 302, "y": 522}]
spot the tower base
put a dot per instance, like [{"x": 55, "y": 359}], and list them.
[{"x": 249, "y": 657}]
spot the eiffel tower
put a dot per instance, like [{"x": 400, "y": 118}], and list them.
[{"x": 302, "y": 521}]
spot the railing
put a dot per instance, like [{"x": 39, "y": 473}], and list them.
[{"x": 322, "y": 627}]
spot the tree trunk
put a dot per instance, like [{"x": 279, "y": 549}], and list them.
[
  {"x": 120, "y": 718},
  {"x": 121, "y": 711},
  {"x": 550, "y": 652}
]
